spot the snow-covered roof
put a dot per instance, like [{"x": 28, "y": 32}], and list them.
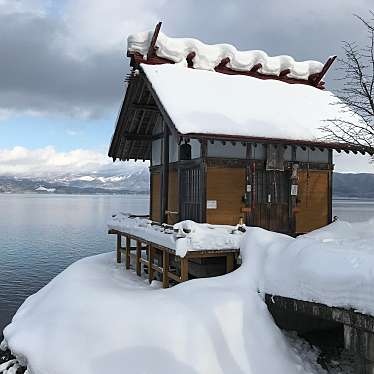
[
  {"x": 207, "y": 57},
  {"x": 206, "y": 102}
]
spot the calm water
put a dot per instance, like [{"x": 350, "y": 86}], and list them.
[{"x": 40, "y": 235}]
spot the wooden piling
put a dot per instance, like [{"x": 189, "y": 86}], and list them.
[
  {"x": 119, "y": 248},
  {"x": 229, "y": 263},
  {"x": 138, "y": 265},
  {"x": 165, "y": 266},
  {"x": 127, "y": 253},
  {"x": 184, "y": 269},
  {"x": 150, "y": 262}
]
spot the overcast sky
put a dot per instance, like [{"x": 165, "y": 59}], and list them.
[{"x": 63, "y": 63}]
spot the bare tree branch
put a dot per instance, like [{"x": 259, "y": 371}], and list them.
[{"x": 357, "y": 92}]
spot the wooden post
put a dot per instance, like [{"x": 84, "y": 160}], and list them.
[
  {"x": 127, "y": 256},
  {"x": 229, "y": 262},
  {"x": 203, "y": 179},
  {"x": 138, "y": 255},
  {"x": 165, "y": 267},
  {"x": 118, "y": 248},
  {"x": 150, "y": 262},
  {"x": 184, "y": 269},
  {"x": 165, "y": 176}
]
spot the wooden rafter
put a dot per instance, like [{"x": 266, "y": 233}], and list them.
[{"x": 152, "y": 47}]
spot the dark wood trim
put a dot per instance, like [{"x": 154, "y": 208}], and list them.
[
  {"x": 248, "y": 182},
  {"x": 203, "y": 179},
  {"x": 145, "y": 107},
  {"x": 164, "y": 113},
  {"x": 165, "y": 175},
  {"x": 331, "y": 181},
  {"x": 137, "y": 59},
  {"x": 152, "y": 46}
]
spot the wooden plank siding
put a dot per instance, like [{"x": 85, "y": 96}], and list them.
[
  {"x": 156, "y": 196},
  {"x": 312, "y": 201},
  {"x": 226, "y": 186}
]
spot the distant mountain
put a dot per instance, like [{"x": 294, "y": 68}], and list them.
[
  {"x": 353, "y": 185},
  {"x": 131, "y": 180},
  {"x": 136, "y": 180}
]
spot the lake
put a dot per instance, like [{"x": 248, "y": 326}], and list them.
[{"x": 40, "y": 235}]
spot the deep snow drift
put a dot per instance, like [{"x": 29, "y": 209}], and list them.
[{"x": 96, "y": 317}]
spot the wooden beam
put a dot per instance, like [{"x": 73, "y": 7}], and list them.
[
  {"x": 146, "y": 107},
  {"x": 190, "y": 58},
  {"x": 152, "y": 47},
  {"x": 255, "y": 68},
  {"x": 284, "y": 73},
  {"x": 317, "y": 78}
]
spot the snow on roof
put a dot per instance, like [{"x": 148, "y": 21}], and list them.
[
  {"x": 205, "y": 102},
  {"x": 207, "y": 57}
]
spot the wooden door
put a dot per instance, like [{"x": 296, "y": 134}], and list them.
[
  {"x": 270, "y": 201},
  {"x": 190, "y": 194}
]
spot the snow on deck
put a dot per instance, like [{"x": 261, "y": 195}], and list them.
[
  {"x": 187, "y": 236},
  {"x": 207, "y": 57},
  {"x": 200, "y": 101}
]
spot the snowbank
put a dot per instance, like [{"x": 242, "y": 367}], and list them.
[
  {"x": 333, "y": 265},
  {"x": 212, "y": 103},
  {"x": 186, "y": 236},
  {"x": 209, "y": 56},
  {"x": 96, "y": 317}
]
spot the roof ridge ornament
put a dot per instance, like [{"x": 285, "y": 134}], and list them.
[{"x": 154, "y": 47}]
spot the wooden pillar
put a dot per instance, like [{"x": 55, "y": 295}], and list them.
[
  {"x": 127, "y": 253},
  {"x": 331, "y": 168},
  {"x": 203, "y": 179},
  {"x": 184, "y": 269},
  {"x": 150, "y": 262},
  {"x": 229, "y": 262},
  {"x": 165, "y": 175},
  {"x": 138, "y": 265},
  {"x": 119, "y": 248},
  {"x": 165, "y": 267},
  {"x": 248, "y": 185}
]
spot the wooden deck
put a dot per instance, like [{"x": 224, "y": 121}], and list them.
[{"x": 170, "y": 266}]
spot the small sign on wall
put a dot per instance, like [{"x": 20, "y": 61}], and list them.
[
  {"x": 294, "y": 188},
  {"x": 211, "y": 204}
]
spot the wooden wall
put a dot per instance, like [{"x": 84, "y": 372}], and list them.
[
  {"x": 226, "y": 186},
  {"x": 155, "y": 196},
  {"x": 173, "y": 197},
  {"x": 313, "y": 200}
]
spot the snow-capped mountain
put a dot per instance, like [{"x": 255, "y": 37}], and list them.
[{"x": 133, "y": 179}]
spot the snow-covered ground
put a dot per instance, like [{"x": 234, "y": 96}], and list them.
[{"x": 96, "y": 317}]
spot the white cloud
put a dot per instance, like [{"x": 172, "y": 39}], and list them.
[
  {"x": 96, "y": 26},
  {"x": 36, "y": 7},
  {"x": 47, "y": 162}
]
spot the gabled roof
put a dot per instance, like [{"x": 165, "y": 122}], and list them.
[{"x": 205, "y": 104}]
